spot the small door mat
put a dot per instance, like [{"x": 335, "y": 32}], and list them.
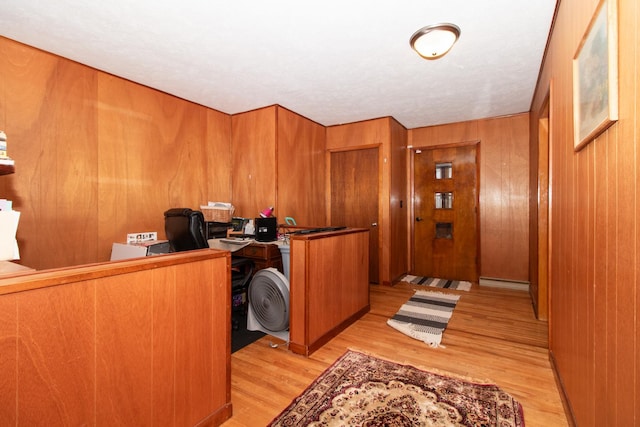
[
  {"x": 435, "y": 282},
  {"x": 425, "y": 316}
]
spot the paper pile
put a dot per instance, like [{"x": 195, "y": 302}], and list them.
[{"x": 8, "y": 227}]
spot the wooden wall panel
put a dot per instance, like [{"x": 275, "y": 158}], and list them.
[
  {"x": 153, "y": 157},
  {"x": 301, "y": 169},
  {"x": 399, "y": 202},
  {"x": 219, "y": 160},
  {"x": 504, "y": 188},
  {"x": 451, "y": 133},
  {"x": 387, "y": 135},
  {"x": 595, "y": 242},
  {"x": 51, "y": 136},
  {"x": 254, "y": 170},
  {"x": 363, "y": 134},
  {"x": 98, "y": 156},
  {"x": 504, "y": 197}
]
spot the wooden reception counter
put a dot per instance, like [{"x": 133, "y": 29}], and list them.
[
  {"x": 138, "y": 342},
  {"x": 329, "y": 277}
]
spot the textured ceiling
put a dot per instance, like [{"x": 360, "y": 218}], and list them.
[{"x": 331, "y": 61}]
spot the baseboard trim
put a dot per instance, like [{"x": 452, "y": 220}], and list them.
[
  {"x": 493, "y": 282},
  {"x": 568, "y": 410}
]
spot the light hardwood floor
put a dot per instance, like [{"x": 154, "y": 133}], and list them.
[{"x": 493, "y": 337}]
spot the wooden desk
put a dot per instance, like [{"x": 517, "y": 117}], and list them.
[{"x": 264, "y": 255}]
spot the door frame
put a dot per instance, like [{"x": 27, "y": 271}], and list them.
[
  {"x": 412, "y": 195},
  {"x": 542, "y": 299}
]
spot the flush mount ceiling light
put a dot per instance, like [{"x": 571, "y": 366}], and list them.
[{"x": 433, "y": 41}]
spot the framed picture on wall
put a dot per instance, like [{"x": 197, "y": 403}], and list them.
[{"x": 595, "y": 76}]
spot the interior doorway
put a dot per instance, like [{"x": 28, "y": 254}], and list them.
[
  {"x": 354, "y": 197},
  {"x": 445, "y": 223},
  {"x": 539, "y": 253}
]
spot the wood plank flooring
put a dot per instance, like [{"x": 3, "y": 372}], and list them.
[{"x": 493, "y": 337}]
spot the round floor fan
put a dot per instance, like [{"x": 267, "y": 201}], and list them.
[{"x": 268, "y": 309}]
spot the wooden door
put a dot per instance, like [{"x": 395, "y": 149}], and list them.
[
  {"x": 354, "y": 196},
  {"x": 445, "y": 207}
]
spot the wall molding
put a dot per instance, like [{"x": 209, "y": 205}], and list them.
[{"x": 493, "y": 282}]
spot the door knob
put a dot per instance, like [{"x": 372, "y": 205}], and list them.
[
  {"x": 419, "y": 219},
  {"x": 374, "y": 224}
]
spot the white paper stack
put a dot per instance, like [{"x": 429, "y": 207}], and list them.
[{"x": 8, "y": 227}]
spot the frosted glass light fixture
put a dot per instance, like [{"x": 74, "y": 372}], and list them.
[{"x": 434, "y": 41}]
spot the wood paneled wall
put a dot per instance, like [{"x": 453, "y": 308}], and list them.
[
  {"x": 504, "y": 188},
  {"x": 301, "y": 169},
  {"x": 391, "y": 139},
  {"x": 254, "y": 161},
  {"x": 399, "y": 203},
  {"x": 595, "y": 238},
  {"x": 278, "y": 160},
  {"x": 98, "y": 156}
]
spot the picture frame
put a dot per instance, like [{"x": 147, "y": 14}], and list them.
[{"x": 595, "y": 76}]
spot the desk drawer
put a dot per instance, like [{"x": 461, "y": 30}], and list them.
[
  {"x": 264, "y": 255},
  {"x": 253, "y": 251},
  {"x": 260, "y": 251}
]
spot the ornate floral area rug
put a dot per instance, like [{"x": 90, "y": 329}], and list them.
[{"x": 361, "y": 390}]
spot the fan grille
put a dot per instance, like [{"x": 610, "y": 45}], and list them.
[{"x": 269, "y": 299}]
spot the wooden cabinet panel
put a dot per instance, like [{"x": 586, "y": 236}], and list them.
[
  {"x": 56, "y": 358},
  {"x": 124, "y": 352},
  {"x": 164, "y": 312},
  {"x": 8, "y": 360},
  {"x": 329, "y": 286},
  {"x": 118, "y": 343},
  {"x": 198, "y": 320}
]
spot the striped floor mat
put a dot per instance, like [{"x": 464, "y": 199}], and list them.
[
  {"x": 425, "y": 316},
  {"x": 437, "y": 283}
]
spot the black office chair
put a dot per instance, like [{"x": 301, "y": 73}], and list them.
[
  {"x": 241, "y": 274},
  {"x": 185, "y": 229}
]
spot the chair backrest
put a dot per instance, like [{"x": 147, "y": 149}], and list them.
[{"x": 185, "y": 229}]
